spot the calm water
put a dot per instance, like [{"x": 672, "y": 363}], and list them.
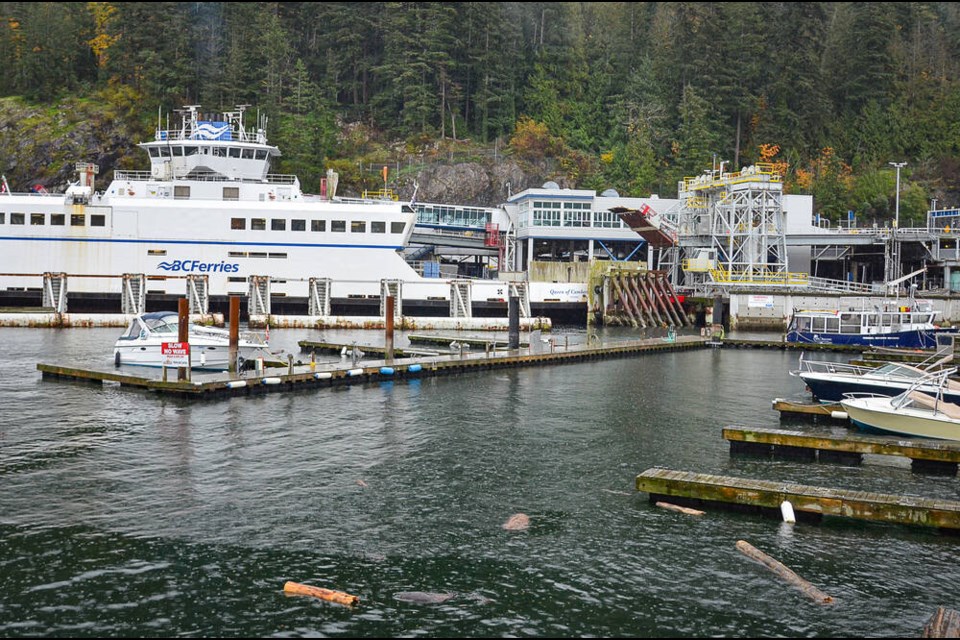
[{"x": 127, "y": 514}]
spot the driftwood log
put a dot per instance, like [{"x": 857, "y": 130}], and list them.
[
  {"x": 784, "y": 572},
  {"x": 678, "y": 508},
  {"x": 339, "y": 597},
  {"x": 945, "y": 623}
]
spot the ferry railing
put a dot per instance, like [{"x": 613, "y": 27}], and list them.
[{"x": 207, "y": 176}]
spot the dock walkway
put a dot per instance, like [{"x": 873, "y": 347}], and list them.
[
  {"x": 809, "y": 502},
  {"x": 294, "y": 377}
]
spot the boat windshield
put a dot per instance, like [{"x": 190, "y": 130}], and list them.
[
  {"x": 899, "y": 370},
  {"x": 166, "y": 324}
]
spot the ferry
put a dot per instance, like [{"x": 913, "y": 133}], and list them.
[
  {"x": 910, "y": 324},
  {"x": 209, "y": 209}
]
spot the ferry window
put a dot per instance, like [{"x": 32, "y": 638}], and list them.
[
  {"x": 358, "y": 227},
  {"x": 238, "y": 223},
  {"x": 397, "y": 227},
  {"x": 98, "y": 220},
  {"x": 156, "y": 252},
  {"x": 77, "y": 220},
  {"x": 338, "y": 226},
  {"x": 220, "y": 152},
  {"x": 237, "y": 254},
  {"x": 298, "y": 225},
  {"x": 236, "y": 279},
  {"x": 258, "y": 224},
  {"x": 378, "y": 226},
  {"x": 248, "y": 154},
  {"x": 803, "y": 324},
  {"x": 257, "y": 254},
  {"x": 16, "y": 218},
  {"x": 164, "y": 152},
  {"x": 231, "y": 193},
  {"x": 178, "y": 151},
  {"x": 261, "y": 154},
  {"x": 833, "y": 325},
  {"x": 849, "y": 323},
  {"x": 278, "y": 255},
  {"x": 181, "y": 193},
  {"x": 3, "y": 217},
  {"x": 57, "y": 219},
  {"x": 37, "y": 218},
  {"x": 278, "y": 224},
  {"x": 318, "y": 225},
  {"x": 190, "y": 151},
  {"x": 234, "y": 152},
  {"x": 154, "y": 152}
]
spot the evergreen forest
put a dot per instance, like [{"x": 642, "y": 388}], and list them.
[{"x": 628, "y": 95}]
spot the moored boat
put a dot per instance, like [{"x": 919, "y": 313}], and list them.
[
  {"x": 911, "y": 413},
  {"x": 830, "y": 381},
  {"x": 905, "y": 324},
  {"x": 142, "y": 343}
]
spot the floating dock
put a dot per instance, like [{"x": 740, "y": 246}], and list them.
[
  {"x": 928, "y": 456},
  {"x": 295, "y": 377},
  {"x": 338, "y": 348},
  {"x": 788, "y": 346},
  {"x": 698, "y": 490},
  {"x": 816, "y": 410}
]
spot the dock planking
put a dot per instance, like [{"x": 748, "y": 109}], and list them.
[
  {"x": 932, "y": 456},
  {"x": 299, "y": 376},
  {"x": 809, "y": 502}
]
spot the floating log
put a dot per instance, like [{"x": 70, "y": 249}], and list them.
[
  {"x": 517, "y": 522},
  {"x": 945, "y": 623},
  {"x": 784, "y": 572},
  {"x": 339, "y": 597},
  {"x": 678, "y": 508}
]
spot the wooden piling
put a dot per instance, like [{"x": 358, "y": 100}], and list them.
[
  {"x": 183, "y": 334},
  {"x": 234, "y": 333},
  {"x": 944, "y": 623},
  {"x": 388, "y": 324}
]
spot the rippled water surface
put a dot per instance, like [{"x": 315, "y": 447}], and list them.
[{"x": 123, "y": 513}]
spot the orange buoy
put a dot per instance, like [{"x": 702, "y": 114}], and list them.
[{"x": 339, "y": 597}]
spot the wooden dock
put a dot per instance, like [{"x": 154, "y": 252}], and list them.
[
  {"x": 337, "y": 348},
  {"x": 928, "y": 456},
  {"x": 815, "y": 410},
  {"x": 474, "y": 342},
  {"x": 299, "y": 376},
  {"x": 789, "y": 346},
  {"x": 698, "y": 490}
]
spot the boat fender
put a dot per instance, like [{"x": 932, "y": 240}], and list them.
[
  {"x": 414, "y": 368},
  {"x": 236, "y": 384},
  {"x": 786, "y": 510},
  {"x": 355, "y": 372},
  {"x": 270, "y": 381},
  {"x": 386, "y": 371},
  {"x": 116, "y": 359},
  {"x": 323, "y": 375},
  {"x": 839, "y": 415}
]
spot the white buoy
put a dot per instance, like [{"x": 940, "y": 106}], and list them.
[
  {"x": 786, "y": 510},
  {"x": 271, "y": 381},
  {"x": 839, "y": 415},
  {"x": 355, "y": 372},
  {"x": 236, "y": 384},
  {"x": 323, "y": 375}
]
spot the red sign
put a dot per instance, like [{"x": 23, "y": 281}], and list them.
[{"x": 175, "y": 354}]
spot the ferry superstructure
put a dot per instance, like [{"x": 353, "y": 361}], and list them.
[{"x": 206, "y": 207}]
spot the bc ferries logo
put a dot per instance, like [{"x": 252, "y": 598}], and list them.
[
  {"x": 195, "y": 266},
  {"x": 212, "y": 131}
]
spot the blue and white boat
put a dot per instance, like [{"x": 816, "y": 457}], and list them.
[
  {"x": 901, "y": 324},
  {"x": 830, "y": 382}
]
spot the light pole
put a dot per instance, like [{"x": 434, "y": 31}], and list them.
[{"x": 898, "y": 165}]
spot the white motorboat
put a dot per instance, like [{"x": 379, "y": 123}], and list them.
[
  {"x": 911, "y": 413},
  {"x": 142, "y": 343}
]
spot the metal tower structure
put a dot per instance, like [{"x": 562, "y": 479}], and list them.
[{"x": 738, "y": 218}]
